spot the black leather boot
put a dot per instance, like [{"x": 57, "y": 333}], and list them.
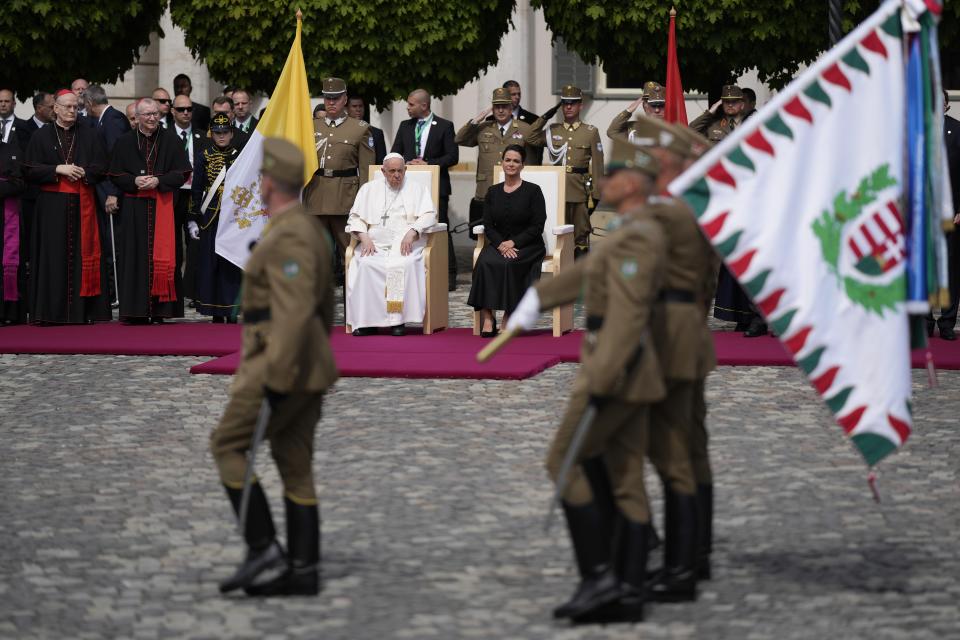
[
  {"x": 677, "y": 581},
  {"x": 625, "y": 604},
  {"x": 704, "y": 530},
  {"x": 302, "y": 576},
  {"x": 263, "y": 551},
  {"x": 591, "y": 552}
]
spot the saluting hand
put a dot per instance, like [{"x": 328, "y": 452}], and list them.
[
  {"x": 633, "y": 106},
  {"x": 482, "y": 115},
  {"x": 715, "y": 106}
]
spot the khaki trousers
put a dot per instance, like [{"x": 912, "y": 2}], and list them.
[{"x": 670, "y": 428}]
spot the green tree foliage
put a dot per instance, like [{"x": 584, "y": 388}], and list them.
[
  {"x": 45, "y": 44},
  {"x": 383, "y": 49},
  {"x": 717, "y": 40}
]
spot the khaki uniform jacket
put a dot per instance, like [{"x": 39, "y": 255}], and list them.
[
  {"x": 486, "y": 136},
  {"x": 348, "y": 145},
  {"x": 682, "y": 338},
  {"x": 619, "y": 124},
  {"x": 289, "y": 273},
  {"x": 584, "y": 151},
  {"x": 620, "y": 282},
  {"x": 715, "y": 126}
]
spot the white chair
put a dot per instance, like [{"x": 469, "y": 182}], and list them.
[
  {"x": 557, "y": 236},
  {"x": 437, "y": 315}
]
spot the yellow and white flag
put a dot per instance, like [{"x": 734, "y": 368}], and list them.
[{"x": 288, "y": 116}]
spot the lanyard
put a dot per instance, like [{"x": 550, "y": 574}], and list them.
[{"x": 418, "y": 132}]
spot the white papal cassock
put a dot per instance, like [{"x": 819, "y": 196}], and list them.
[{"x": 386, "y": 289}]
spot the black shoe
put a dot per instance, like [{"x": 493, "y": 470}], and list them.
[
  {"x": 398, "y": 330},
  {"x": 591, "y": 533},
  {"x": 302, "y": 576},
  {"x": 677, "y": 581},
  {"x": 742, "y": 325},
  {"x": 704, "y": 530},
  {"x": 625, "y": 603},
  {"x": 364, "y": 331},
  {"x": 947, "y": 333},
  {"x": 756, "y": 329},
  {"x": 263, "y": 551},
  {"x": 217, "y": 319},
  {"x": 490, "y": 334},
  {"x": 156, "y": 320}
]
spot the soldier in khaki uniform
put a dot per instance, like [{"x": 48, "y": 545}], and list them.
[
  {"x": 344, "y": 153},
  {"x": 605, "y": 502},
  {"x": 576, "y": 146},
  {"x": 653, "y": 100},
  {"x": 685, "y": 347},
  {"x": 492, "y": 137},
  {"x": 287, "y": 304},
  {"x": 715, "y": 123}
]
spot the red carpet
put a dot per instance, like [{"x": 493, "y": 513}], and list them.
[
  {"x": 114, "y": 338},
  {"x": 447, "y": 354}
]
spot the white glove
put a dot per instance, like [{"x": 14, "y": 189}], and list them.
[
  {"x": 193, "y": 229},
  {"x": 525, "y": 316}
]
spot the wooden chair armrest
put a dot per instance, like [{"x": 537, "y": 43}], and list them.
[
  {"x": 562, "y": 229},
  {"x": 440, "y": 226}
]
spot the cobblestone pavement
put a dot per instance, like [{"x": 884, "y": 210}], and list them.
[{"x": 113, "y": 525}]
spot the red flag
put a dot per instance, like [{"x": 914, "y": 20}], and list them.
[{"x": 676, "y": 108}]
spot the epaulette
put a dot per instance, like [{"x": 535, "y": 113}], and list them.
[
  {"x": 363, "y": 122},
  {"x": 590, "y": 127}
]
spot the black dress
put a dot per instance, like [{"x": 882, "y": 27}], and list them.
[{"x": 498, "y": 282}]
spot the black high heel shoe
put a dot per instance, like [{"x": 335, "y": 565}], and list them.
[{"x": 490, "y": 334}]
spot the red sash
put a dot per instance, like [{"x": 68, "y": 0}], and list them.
[
  {"x": 89, "y": 233},
  {"x": 164, "y": 249}
]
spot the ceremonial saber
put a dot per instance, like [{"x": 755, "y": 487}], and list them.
[
  {"x": 113, "y": 244},
  {"x": 497, "y": 343},
  {"x": 262, "y": 419},
  {"x": 589, "y": 413}
]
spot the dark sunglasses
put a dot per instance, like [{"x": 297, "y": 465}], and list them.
[
  {"x": 163, "y": 100},
  {"x": 183, "y": 109}
]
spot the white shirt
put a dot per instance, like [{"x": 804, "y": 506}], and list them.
[
  {"x": 424, "y": 135},
  {"x": 39, "y": 122},
  {"x": 7, "y": 124},
  {"x": 245, "y": 124}
]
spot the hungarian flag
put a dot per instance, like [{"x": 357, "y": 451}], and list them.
[
  {"x": 806, "y": 204},
  {"x": 676, "y": 108},
  {"x": 289, "y": 116}
]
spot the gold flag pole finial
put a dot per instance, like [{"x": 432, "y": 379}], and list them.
[
  {"x": 299, "y": 15},
  {"x": 673, "y": 12}
]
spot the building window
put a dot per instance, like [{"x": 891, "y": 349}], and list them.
[{"x": 569, "y": 68}]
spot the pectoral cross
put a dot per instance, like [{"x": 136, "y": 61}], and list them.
[{"x": 383, "y": 220}]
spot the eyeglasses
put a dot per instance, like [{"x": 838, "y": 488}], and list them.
[
  {"x": 150, "y": 114},
  {"x": 163, "y": 100},
  {"x": 183, "y": 109}
]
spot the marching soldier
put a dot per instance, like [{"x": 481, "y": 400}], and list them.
[
  {"x": 715, "y": 123},
  {"x": 287, "y": 304},
  {"x": 653, "y": 100},
  {"x": 492, "y": 137},
  {"x": 576, "y": 146},
  {"x": 685, "y": 346},
  {"x": 604, "y": 500},
  {"x": 344, "y": 153}
]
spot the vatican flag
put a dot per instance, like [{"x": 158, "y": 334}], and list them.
[{"x": 288, "y": 115}]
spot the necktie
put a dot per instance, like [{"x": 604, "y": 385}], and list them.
[
  {"x": 3, "y": 130},
  {"x": 186, "y": 142},
  {"x": 418, "y": 135},
  {"x": 503, "y": 131}
]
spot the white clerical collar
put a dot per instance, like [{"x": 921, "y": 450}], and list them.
[{"x": 337, "y": 122}]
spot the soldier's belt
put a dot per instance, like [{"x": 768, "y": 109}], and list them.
[
  {"x": 253, "y": 316},
  {"x": 338, "y": 173},
  {"x": 577, "y": 169},
  {"x": 677, "y": 295}
]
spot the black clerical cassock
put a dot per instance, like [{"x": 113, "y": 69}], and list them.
[
  {"x": 150, "y": 242},
  {"x": 67, "y": 272}
]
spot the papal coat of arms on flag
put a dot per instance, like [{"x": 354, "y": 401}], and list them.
[{"x": 805, "y": 203}]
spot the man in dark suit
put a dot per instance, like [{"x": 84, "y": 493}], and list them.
[
  {"x": 357, "y": 108},
  {"x": 428, "y": 139},
  {"x": 535, "y": 154},
  {"x": 948, "y": 316},
  {"x": 42, "y": 114},
  {"x": 109, "y": 124},
  {"x": 182, "y": 86},
  {"x": 162, "y": 98},
  {"x": 243, "y": 119},
  {"x": 194, "y": 142},
  {"x": 10, "y": 124}
]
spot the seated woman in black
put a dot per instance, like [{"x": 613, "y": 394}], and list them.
[{"x": 513, "y": 219}]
